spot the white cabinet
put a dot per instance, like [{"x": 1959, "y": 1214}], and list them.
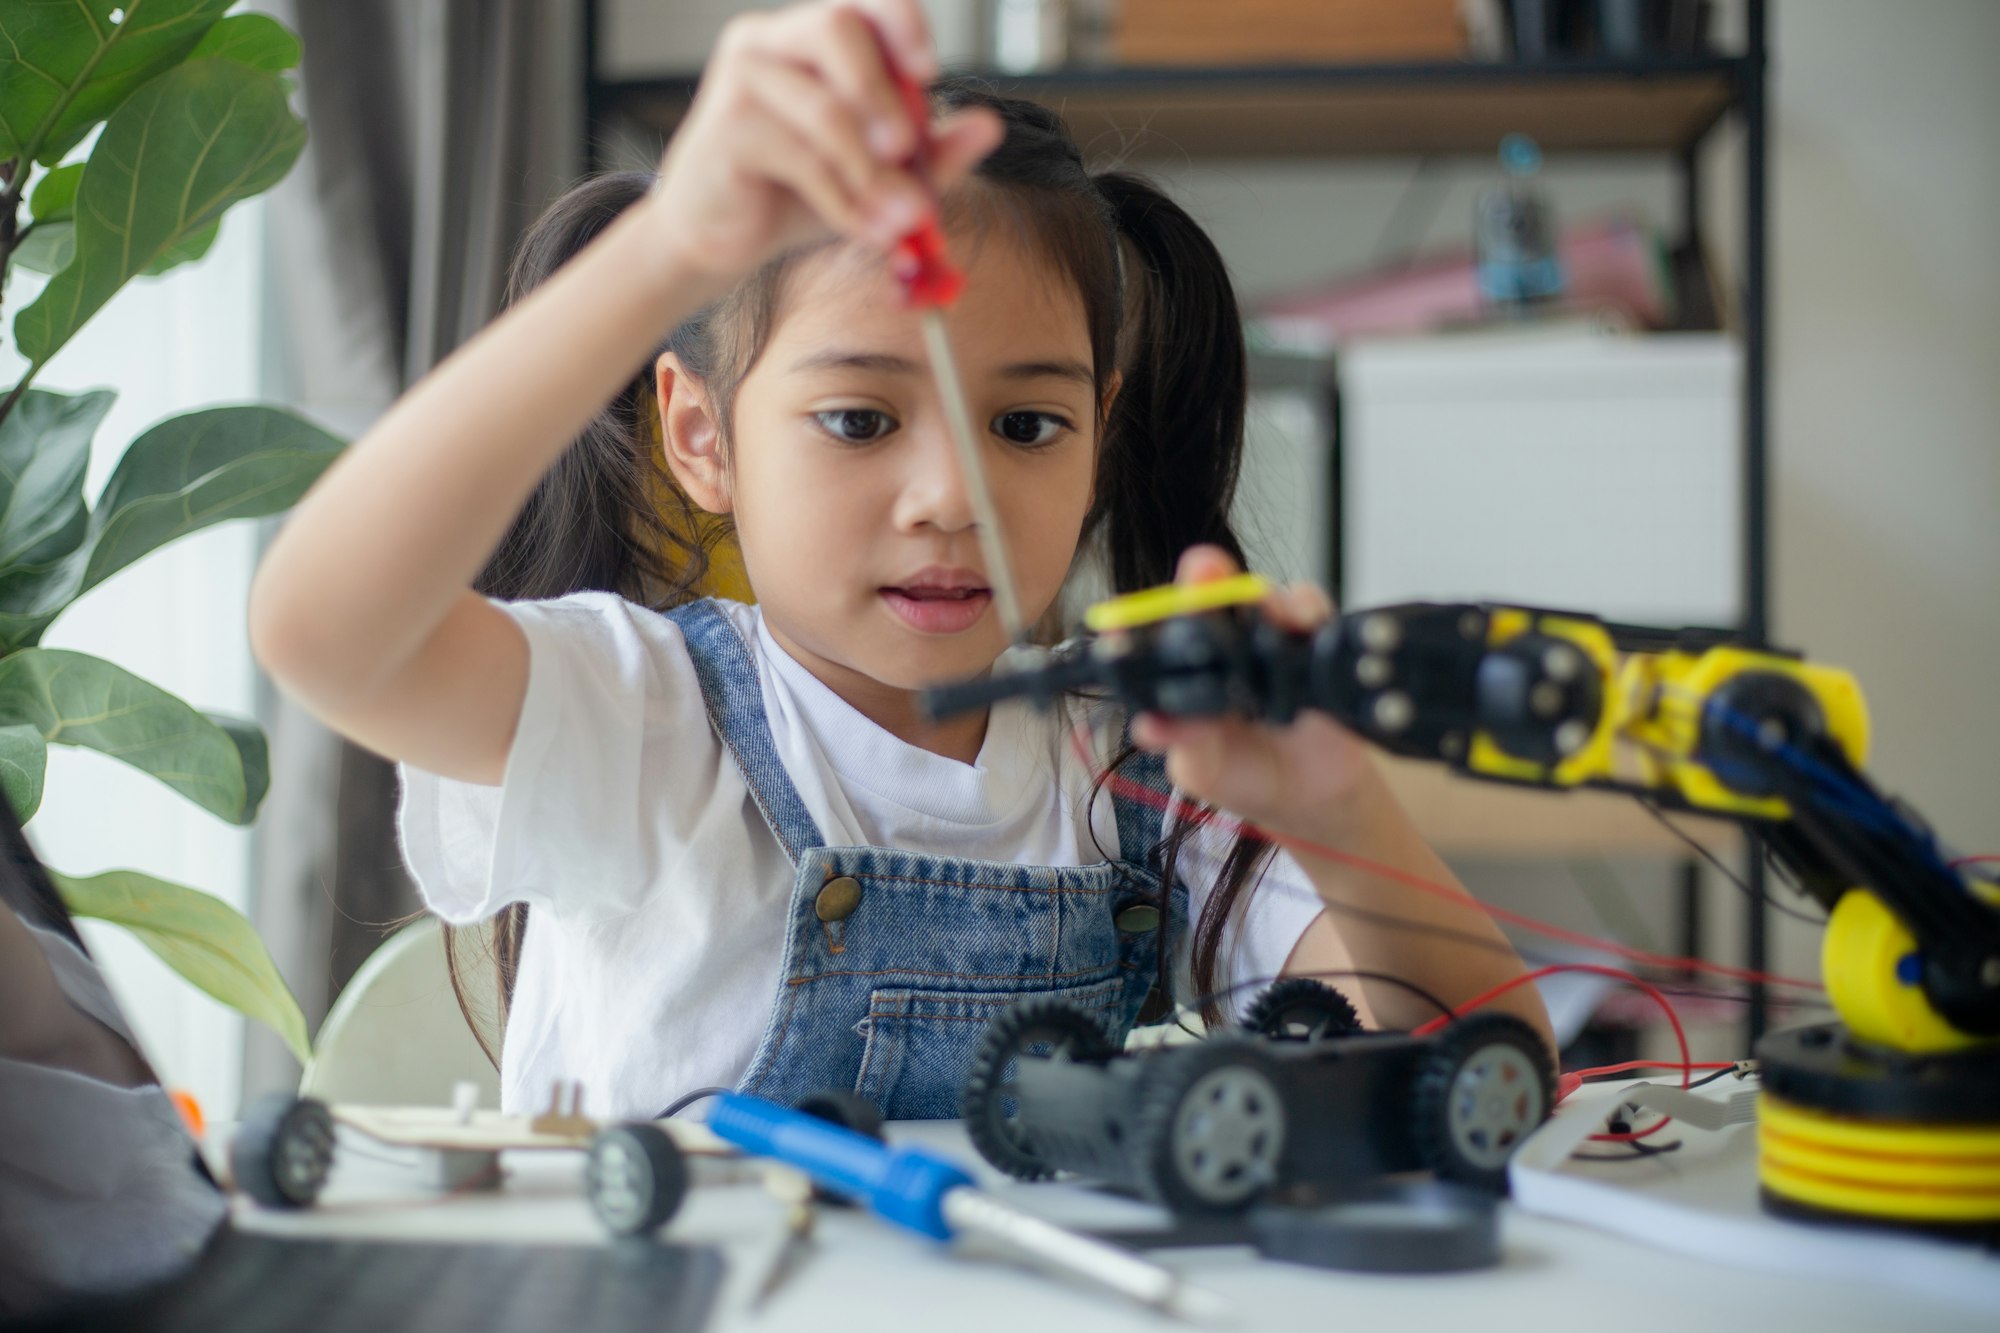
[{"x": 1584, "y": 471}]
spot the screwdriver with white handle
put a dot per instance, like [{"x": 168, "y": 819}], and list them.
[{"x": 929, "y": 1193}]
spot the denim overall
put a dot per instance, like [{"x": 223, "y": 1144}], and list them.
[{"x": 895, "y": 961}]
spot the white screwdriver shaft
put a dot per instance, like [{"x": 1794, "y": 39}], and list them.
[
  {"x": 992, "y": 544},
  {"x": 1107, "y": 1265}
]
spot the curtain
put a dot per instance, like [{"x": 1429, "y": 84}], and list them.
[{"x": 437, "y": 131}]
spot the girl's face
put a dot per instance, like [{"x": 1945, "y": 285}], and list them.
[{"x": 855, "y": 524}]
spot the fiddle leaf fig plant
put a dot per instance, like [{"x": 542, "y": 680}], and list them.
[{"x": 127, "y": 131}]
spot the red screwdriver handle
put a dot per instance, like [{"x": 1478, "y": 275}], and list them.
[{"x": 918, "y": 261}]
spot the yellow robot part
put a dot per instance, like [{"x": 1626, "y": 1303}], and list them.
[
  {"x": 1861, "y": 957},
  {"x": 1152, "y": 605},
  {"x": 1591, "y": 760},
  {"x": 1890, "y": 1170},
  {"x": 1664, "y": 695}
]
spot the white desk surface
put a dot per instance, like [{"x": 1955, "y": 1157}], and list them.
[{"x": 867, "y": 1276}]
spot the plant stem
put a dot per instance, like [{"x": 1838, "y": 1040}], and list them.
[
  {"x": 10, "y": 200},
  {"x": 14, "y": 394}
]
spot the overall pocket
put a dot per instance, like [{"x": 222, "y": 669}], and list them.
[{"x": 920, "y": 1042}]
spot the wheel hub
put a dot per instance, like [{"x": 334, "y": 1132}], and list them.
[
  {"x": 1228, "y": 1134},
  {"x": 1495, "y": 1103}
]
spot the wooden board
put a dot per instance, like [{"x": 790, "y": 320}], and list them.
[
  {"x": 492, "y": 1131},
  {"x": 1205, "y": 32}
]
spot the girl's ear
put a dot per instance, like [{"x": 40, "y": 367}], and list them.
[{"x": 691, "y": 434}]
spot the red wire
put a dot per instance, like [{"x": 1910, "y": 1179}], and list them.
[
  {"x": 1136, "y": 791},
  {"x": 1630, "y": 1065},
  {"x": 1974, "y": 861},
  {"x": 1636, "y": 1134}
]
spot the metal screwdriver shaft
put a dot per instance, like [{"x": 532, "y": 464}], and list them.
[
  {"x": 986, "y": 519},
  {"x": 934, "y": 1195}
]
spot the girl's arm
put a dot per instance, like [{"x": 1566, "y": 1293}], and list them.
[
  {"x": 1315, "y": 783},
  {"x": 363, "y": 608}
]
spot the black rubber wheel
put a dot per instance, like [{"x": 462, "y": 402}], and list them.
[
  {"x": 849, "y": 1110},
  {"x": 1211, "y": 1126},
  {"x": 1300, "y": 1009},
  {"x": 283, "y": 1150},
  {"x": 1479, "y": 1091},
  {"x": 636, "y": 1178},
  {"x": 1046, "y": 1029}
]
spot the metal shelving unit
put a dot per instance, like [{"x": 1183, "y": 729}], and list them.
[{"x": 1667, "y": 105}]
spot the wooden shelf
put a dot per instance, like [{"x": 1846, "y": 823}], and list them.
[{"x": 1282, "y": 112}]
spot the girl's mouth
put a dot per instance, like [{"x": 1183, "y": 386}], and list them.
[{"x": 936, "y": 610}]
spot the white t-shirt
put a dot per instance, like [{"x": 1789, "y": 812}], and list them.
[{"x": 657, "y": 893}]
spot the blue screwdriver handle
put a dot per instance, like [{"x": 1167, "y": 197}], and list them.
[{"x": 905, "y": 1185}]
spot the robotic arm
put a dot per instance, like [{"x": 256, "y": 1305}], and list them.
[{"x": 1689, "y": 721}]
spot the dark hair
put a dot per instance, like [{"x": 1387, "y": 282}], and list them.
[{"x": 1160, "y": 309}]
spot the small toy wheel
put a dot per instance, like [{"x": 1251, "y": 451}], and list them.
[
  {"x": 283, "y": 1150},
  {"x": 849, "y": 1110},
  {"x": 1480, "y": 1090},
  {"x": 1301, "y": 1009},
  {"x": 1045, "y": 1029},
  {"x": 635, "y": 1177},
  {"x": 1211, "y": 1126}
]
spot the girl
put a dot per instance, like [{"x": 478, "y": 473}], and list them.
[{"x": 729, "y": 850}]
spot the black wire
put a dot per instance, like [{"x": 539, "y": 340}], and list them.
[
  {"x": 1784, "y": 909},
  {"x": 1638, "y": 1152},
  {"x": 1708, "y": 1078},
  {"x": 1359, "y": 974},
  {"x": 682, "y": 1103}
]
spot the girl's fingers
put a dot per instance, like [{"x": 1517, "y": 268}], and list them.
[
  {"x": 905, "y": 31},
  {"x": 1302, "y": 606},
  {"x": 960, "y": 141},
  {"x": 852, "y": 61},
  {"x": 889, "y": 200},
  {"x": 790, "y": 161},
  {"x": 1205, "y": 564}
]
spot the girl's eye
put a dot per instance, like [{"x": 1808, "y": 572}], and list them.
[
  {"x": 1029, "y": 429},
  {"x": 855, "y": 425}
]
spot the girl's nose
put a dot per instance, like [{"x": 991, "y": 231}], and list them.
[{"x": 934, "y": 493}]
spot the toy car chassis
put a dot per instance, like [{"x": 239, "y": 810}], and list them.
[{"x": 1303, "y": 1105}]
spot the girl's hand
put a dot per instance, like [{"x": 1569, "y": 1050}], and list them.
[
  {"x": 1297, "y": 779},
  {"x": 798, "y": 129}
]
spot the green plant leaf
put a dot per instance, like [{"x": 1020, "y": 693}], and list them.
[
  {"x": 199, "y": 936},
  {"x": 24, "y": 759},
  {"x": 54, "y": 195},
  {"x": 180, "y": 151},
  {"x": 253, "y": 750},
  {"x": 45, "y": 247},
  {"x": 196, "y": 470},
  {"x": 189, "y": 250},
  {"x": 44, "y": 451},
  {"x": 186, "y": 473},
  {"x": 64, "y": 65},
  {"x": 76, "y": 699},
  {"x": 256, "y": 40}
]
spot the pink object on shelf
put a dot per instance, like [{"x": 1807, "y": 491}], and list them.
[{"x": 1607, "y": 264}]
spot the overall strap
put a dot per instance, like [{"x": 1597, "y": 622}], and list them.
[
  {"x": 1139, "y": 799},
  {"x": 734, "y": 698}
]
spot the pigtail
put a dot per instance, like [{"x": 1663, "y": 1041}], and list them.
[
  {"x": 603, "y": 518},
  {"x": 1168, "y": 464},
  {"x": 1173, "y": 444}
]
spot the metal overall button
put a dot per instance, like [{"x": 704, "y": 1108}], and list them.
[
  {"x": 838, "y": 898},
  {"x": 1137, "y": 918}
]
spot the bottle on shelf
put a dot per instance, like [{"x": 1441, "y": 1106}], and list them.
[{"x": 1514, "y": 235}]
